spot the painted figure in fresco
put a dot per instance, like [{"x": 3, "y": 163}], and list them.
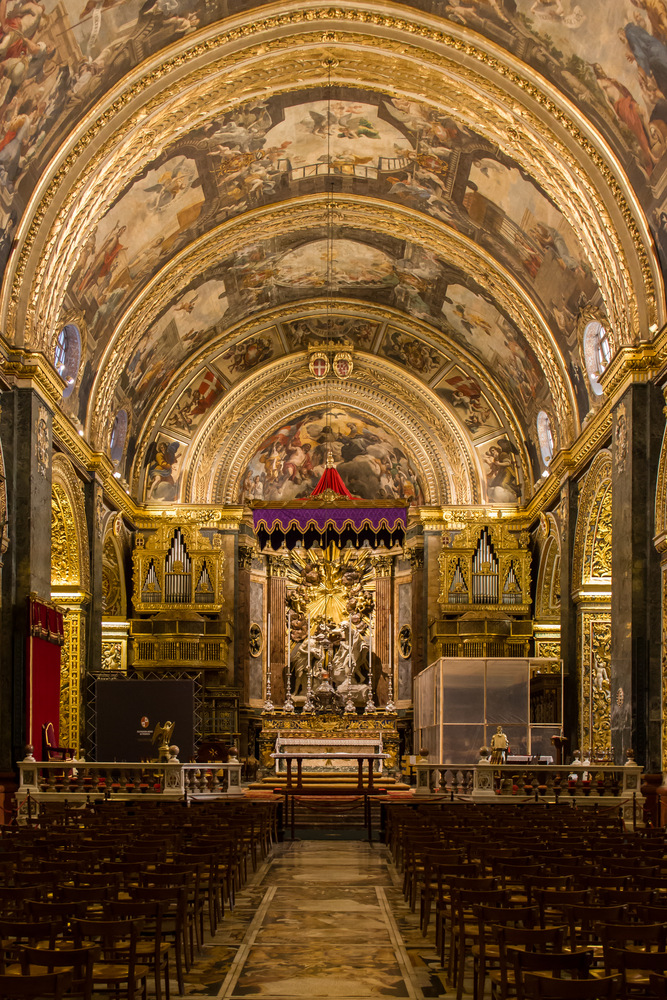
[
  {"x": 656, "y": 12},
  {"x": 501, "y": 479},
  {"x": 103, "y": 260},
  {"x": 162, "y": 476},
  {"x": 627, "y": 110},
  {"x": 246, "y": 355}
]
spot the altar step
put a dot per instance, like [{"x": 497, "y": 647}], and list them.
[{"x": 332, "y": 778}]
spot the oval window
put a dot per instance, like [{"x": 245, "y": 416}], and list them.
[
  {"x": 68, "y": 356},
  {"x": 597, "y": 353},
  {"x": 545, "y": 436},
  {"x": 118, "y": 435}
]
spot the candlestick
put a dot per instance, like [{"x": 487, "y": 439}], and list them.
[
  {"x": 390, "y": 707},
  {"x": 288, "y": 705},
  {"x": 349, "y": 704},
  {"x": 268, "y": 704},
  {"x": 308, "y": 705},
  {"x": 370, "y": 704}
]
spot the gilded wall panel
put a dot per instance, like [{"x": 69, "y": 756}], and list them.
[{"x": 595, "y": 681}]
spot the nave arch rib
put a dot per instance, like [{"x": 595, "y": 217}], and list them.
[
  {"x": 445, "y": 460},
  {"x": 302, "y": 215},
  {"x": 548, "y": 157},
  {"x": 377, "y": 372}
]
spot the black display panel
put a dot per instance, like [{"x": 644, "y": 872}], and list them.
[{"x": 128, "y": 712}]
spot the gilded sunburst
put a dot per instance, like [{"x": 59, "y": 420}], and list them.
[{"x": 330, "y": 583}]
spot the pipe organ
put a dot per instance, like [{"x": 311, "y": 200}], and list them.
[
  {"x": 484, "y": 592},
  {"x": 485, "y": 566},
  {"x": 177, "y": 567},
  {"x": 178, "y": 629}
]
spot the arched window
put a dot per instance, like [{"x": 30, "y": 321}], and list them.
[
  {"x": 67, "y": 356},
  {"x": 118, "y": 435},
  {"x": 545, "y": 437},
  {"x": 597, "y": 353}
]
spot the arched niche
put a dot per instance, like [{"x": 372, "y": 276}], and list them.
[
  {"x": 547, "y": 593},
  {"x": 70, "y": 586},
  {"x": 591, "y": 591}
]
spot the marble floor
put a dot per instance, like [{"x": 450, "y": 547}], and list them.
[{"x": 319, "y": 919}]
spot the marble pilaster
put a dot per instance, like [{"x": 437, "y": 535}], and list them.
[{"x": 635, "y": 604}]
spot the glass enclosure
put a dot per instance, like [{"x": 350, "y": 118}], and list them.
[{"x": 459, "y": 703}]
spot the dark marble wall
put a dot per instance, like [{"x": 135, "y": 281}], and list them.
[
  {"x": 636, "y": 632},
  {"x": 27, "y": 433},
  {"x": 568, "y": 614}
]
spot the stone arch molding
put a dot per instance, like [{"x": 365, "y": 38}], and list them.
[
  {"x": 592, "y": 541},
  {"x": 445, "y": 460},
  {"x": 70, "y": 560}
]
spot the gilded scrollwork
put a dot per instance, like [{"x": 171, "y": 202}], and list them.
[
  {"x": 595, "y": 681},
  {"x": 71, "y": 668},
  {"x": 217, "y": 459},
  {"x": 306, "y": 215},
  {"x": 112, "y": 583},
  {"x": 592, "y": 544},
  {"x": 70, "y": 559}
]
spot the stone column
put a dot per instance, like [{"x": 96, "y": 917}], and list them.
[
  {"x": 278, "y": 638},
  {"x": 27, "y": 433},
  {"x": 636, "y": 695},
  {"x": 383, "y": 609},
  {"x": 567, "y": 518}
]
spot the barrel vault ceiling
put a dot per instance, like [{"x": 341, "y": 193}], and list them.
[{"x": 208, "y": 191}]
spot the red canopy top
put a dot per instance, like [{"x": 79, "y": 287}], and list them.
[{"x": 330, "y": 480}]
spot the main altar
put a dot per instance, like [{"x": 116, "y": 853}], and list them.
[
  {"x": 338, "y": 691},
  {"x": 327, "y": 734}
]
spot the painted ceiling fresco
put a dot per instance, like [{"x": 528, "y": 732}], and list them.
[
  {"x": 396, "y": 150},
  {"x": 59, "y": 58},
  {"x": 441, "y": 321},
  {"x": 371, "y": 461},
  {"x": 168, "y": 456}
]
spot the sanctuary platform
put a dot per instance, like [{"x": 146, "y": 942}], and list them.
[{"x": 329, "y": 733}]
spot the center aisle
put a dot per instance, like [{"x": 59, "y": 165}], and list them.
[{"x": 329, "y": 921}]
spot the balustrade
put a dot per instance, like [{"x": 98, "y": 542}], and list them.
[
  {"x": 582, "y": 784},
  {"x": 78, "y": 780}
]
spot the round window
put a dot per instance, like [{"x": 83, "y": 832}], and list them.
[
  {"x": 118, "y": 435},
  {"x": 597, "y": 353},
  {"x": 545, "y": 436},
  {"x": 68, "y": 356}
]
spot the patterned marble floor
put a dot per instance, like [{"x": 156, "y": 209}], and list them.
[{"x": 319, "y": 919}]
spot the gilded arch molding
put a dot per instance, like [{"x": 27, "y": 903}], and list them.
[
  {"x": 592, "y": 543},
  {"x": 318, "y": 308},
  {"x": 302, "y": 215},
  {"x": 218, "y": 457},
  {"x": 70, "y": 561},
  {"x": 547, "y": 593},
  {"x": 591, "y": 587},
  {"x": 70, "y": 583},
  {"x": 374, "y": 46}
]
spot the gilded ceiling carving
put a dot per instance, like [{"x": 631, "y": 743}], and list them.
[
  {"x": 176, "y": 112},
  {"x": 219, "y": 457},
  {"x": 305, "y": 215},
  {"x": 592, "y": 546},
  {"x": 465, "y": 395}
]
